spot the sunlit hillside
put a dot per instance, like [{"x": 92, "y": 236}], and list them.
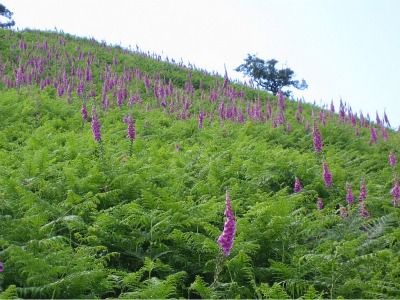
[{"x": 116, "y": 168}]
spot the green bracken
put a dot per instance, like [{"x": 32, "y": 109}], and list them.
[{"x": 144, "y": 223}]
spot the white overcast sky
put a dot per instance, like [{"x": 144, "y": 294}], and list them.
[{"x": 347, "y": 49}]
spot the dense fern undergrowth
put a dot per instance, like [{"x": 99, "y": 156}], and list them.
[{"x": 139, "y": 216}]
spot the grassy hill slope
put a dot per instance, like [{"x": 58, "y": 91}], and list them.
[{"x": 135, "y": 212}]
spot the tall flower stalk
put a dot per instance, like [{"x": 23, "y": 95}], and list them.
[
  {"x": 96, "y": 130},
  {"x": 395, "y": 192},
  {"x": 392, "y": 160},
  {"x": 363, "y": 211},
  {"x": 320, "y": 204},
  {"x": 225, "y": 240},
  {"x": 317, "y": 139},
  {"x": 96, "y": 126},
  {"x": 297, "y": 185},
  {"x": 349, "y": 194},
  {"x": 130, "y": 132},
  {"x": 327, "y": 175},
  {"x": 363, "y": 191}
]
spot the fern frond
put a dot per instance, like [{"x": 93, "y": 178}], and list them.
[
  {"x": 275, "y": 291},
  {"x": 9, "y": 293},
  {"x": 201, "y": 288}
]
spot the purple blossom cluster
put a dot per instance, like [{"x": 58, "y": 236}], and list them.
[
  {"x": 363, "y": 211},
  {"x": 349, "y": 194},
  {"x": 225, "y": 240},
  {"x": 374, "y": 135},
  {"x": 392, "y": 160},
  {"x": 84, "y": 112},
  {"x": 395, "y": 192},
  {"x": 130, "y": 130},
  {"x": 320, "y": 204},
  {"x": 96, "y": 126},
  {"x": 202, "y": 115},
  {"x": 297, "y": 185},
  {"x": 281, "y": 100},
  {"x": 317, "y": 139},
  {"x": 327, "y": 175},
  {"x": 343, "y": 211},
  {"x": 363, "y": 191}
]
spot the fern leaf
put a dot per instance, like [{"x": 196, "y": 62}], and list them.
[
  {"x": 201, "y": 288},
  {"x": 9, "y": 293}
]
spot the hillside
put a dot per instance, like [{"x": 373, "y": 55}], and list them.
[{"x": 115, "y": 167}]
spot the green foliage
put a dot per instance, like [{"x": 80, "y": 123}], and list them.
[
  {"x": 10, "y": 293},
  {"x": 273, "y": 292},
  {"x": 83, "y": 220}
]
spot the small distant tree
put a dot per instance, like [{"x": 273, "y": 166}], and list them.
[
  {"x": 8, "y": 15},
  {"x": 268, "y": 77}
]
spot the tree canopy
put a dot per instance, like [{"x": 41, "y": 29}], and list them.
[
  {"x": 268, "y": 77},
  {"x": 8, "y": 15}
]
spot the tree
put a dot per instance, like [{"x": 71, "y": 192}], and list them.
[
  {"x": 267, "y": 76},
  {"x": 8, "y": 15}
]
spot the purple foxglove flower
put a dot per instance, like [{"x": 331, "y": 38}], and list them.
[
  {"x": 147, "y": 82},
  {"x": 363, "y": 121},
  {"x": 322, "y": 117},
  {"x": 202, "y": 115},
  {"x": 307, "y": 125},
  {"x": 240, "y": 117},
  {"x": 22, "y": 45},
  {"x": 84, "y": 111},
  {"x": 364, "y": 212},
  {"x": 353, "y": 120},
  {"x": 332, "y": 107},
  {"x": 385, "y": 118},
  {"x": 269, "y": 111},
  {"x": 395, "y": 192},
  {"x": 349, "y": 194},
  {"x": 378, "y": 120},
  {"x": 297, "y": 116},
  {"x": 96, "y": 126},
  {"x": 300, "y": 108},
  {"x": 363, "y": 191},
  {"x": 81, "y": 88},
  {"x": 280, "y": 118},
  {"x": 1, "y": 267},
  {"x": 281, "y": 100},
  {"x": 327, "y": 175},
  {"x": 60, "y": 90},
  {"x": 343, "y": 211},
  {"x": 221, "y": 110},
  {"x": 320, "y": 204},
  {"x": 297, "y": 185},
  {"x": 119, "y": 98},
  {"x": 342, "y": 112},
  {"x": 88, "y": 74},
  {"x": 225, "y": 240},
  {"x": 392, "y": 160},
  {"x": 317, "y": 139},
  {"x": 384, "y": 133},
  {"x": 374, "y": 135},
  {"x": 357, "y": 132},
  {"x": 130, "y": 130}
]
